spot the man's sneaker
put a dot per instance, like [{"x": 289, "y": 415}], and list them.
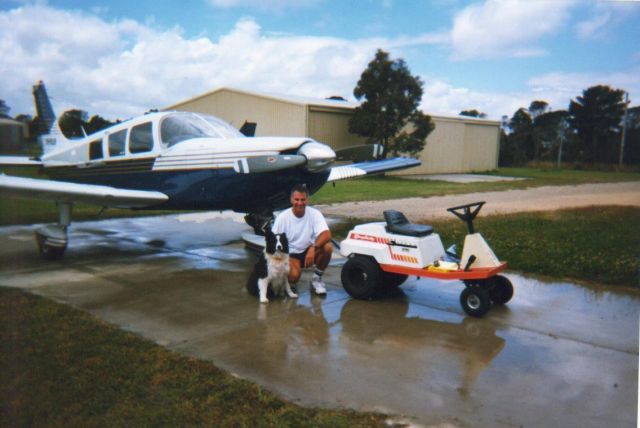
[{"x": 318, "y": 286}]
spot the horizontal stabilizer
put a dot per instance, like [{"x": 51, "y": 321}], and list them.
[
  {"x": 361, "y": 153},
  {"x": 61, "y": 191},
  {"x": 370, "y": 168}
]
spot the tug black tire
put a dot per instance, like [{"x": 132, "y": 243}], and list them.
[
  {"x": 501, "y": 290},
  {"x": 361, "y": 277},
  {"x": 475, "y": 301},
  {"x": 392, "y": 280}
]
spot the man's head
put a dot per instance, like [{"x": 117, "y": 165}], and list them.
[{"x": 299, "y": 199}]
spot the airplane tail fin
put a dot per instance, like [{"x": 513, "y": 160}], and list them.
[{"x": 52, "y": 136}]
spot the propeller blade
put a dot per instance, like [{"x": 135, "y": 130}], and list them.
[
  {"x": 268, "y": 163},
  {"x": 360, "y": 153}
]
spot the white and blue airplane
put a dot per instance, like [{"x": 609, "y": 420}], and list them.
[{"x": 173, "y": 161}]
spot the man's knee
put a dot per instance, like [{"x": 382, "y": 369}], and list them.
[{"x": 295, "y": 271}]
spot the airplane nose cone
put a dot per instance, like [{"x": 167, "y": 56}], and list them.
[{"x": 319, "y": 156}]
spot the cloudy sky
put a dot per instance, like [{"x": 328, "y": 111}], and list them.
[{"x": 120, "y": 58}]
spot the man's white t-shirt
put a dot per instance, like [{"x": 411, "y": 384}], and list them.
[{"x": 301, "y": 231}]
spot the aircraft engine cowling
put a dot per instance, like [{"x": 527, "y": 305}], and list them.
[{"x": 319, "y": 156}]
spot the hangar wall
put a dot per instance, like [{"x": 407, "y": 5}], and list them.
[
  {"x": 457, "y": 144},
  {"x": 274, "y": 117}
]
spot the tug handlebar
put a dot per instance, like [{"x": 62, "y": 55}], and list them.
[{"x": 467, "y": 213}]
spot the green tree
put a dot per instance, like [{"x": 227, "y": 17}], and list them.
[
  {"x": 72, "y": 123},
  {"x": 389, "y": 114},
  {"x": 551, "y": 131},
  {"x": 596, "y": 117},
  {"x": 522, "y": 137},
  {"x": 97, "y": 123},
  {"x": 473, "y": 113},
  {"x": 536, "y": 108},
  {"x": 4, "y": 109}
]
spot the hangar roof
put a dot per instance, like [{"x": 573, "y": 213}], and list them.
[{"x": 320, "y": 102}]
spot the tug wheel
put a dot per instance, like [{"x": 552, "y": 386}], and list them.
[
  {"x": 392, "y": 280},
  {"x": 360, "y": 277},
  {"x": 501, "y": 290},
  {"x": 475, "y": 301}
]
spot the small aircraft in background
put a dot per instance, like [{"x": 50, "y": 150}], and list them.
[{"x": 177, "y": 161}]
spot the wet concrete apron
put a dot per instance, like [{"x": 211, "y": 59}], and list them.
[{"x": 558, "y": 354}]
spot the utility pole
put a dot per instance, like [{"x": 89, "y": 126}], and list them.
[{"x": 624, "y": 129}]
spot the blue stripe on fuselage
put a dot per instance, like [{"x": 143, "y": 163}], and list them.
[{"x": 210, "y": 189}]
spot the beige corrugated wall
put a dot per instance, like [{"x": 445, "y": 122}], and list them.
[
  {"x": 272, "y": 116},
  {"x": 459, "y": 145},
  {"x": 332, "y": 127}
]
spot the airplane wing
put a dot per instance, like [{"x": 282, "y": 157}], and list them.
[
  {"x": 19, "y": 161},
  {"x": 61, "y": 191},
  {"x": 372, "y": 167}
]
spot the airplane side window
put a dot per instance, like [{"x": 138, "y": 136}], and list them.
[
  {"x": 140, "y": 138},
  {"x": 116, "y": 143},
  {"x": 95, "y": 150}
]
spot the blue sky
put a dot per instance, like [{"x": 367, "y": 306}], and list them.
[{"x": 120, "y": 58}]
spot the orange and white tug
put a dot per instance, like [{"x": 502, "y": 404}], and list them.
[{"x": 383, "y": 255}]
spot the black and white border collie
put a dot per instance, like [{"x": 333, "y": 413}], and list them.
[{"x": 273, "y": 268}]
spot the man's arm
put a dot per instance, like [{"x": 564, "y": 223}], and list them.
[{"x": 323, "y": 239}]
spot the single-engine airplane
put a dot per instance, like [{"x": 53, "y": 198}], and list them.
[{"x": 173, "y": 160}]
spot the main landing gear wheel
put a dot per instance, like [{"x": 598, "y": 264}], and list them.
[
  {"x": 475, "y": 301},
  {"x": 361, "y": 277},
  {"x": 501, "y": 289},
  {"x": 52, "y": 241}
]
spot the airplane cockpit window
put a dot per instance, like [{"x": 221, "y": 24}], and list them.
[
  {"x": 141, "y": 138},
  {"x": 116, "y": 143},
  {"x": 95, "y": 150},
  {"x": 178, "y": 127}
]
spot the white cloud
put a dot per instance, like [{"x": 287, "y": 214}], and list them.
[
  {"x": 604, "y": 19},
  {"x": 499, "y": 28},
  {"x": 123, "y": 68},
  {"x": 441, "y": 98},
  {"x": 118, "y": 69},
  {"x": 559, "y": 88},
  {"x": 275, "y": 5}
]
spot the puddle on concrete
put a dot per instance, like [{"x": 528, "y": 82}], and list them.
[{"x": 559, "y": 354}]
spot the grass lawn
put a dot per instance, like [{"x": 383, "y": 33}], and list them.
[
  {"x": 60, "y": 367},
  {"x": 392, "y": 187},
  {"x": 593, "y": 244}
]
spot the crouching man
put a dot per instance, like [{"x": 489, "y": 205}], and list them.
[{"x": 309, "y": 238}]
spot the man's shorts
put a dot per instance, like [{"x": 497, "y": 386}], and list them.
[{"x": 300, "y": 256}]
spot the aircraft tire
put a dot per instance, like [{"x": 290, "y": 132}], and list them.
[
  {"x": 51, "y": 253},
  {"x": 361, "y": 277},
  {"x": 475, "y": 301}
]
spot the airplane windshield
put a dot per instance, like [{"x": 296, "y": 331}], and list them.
[{"x": 178, "y": 127}]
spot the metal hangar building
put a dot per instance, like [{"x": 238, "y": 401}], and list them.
[{"x": 458, "y": 144}]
